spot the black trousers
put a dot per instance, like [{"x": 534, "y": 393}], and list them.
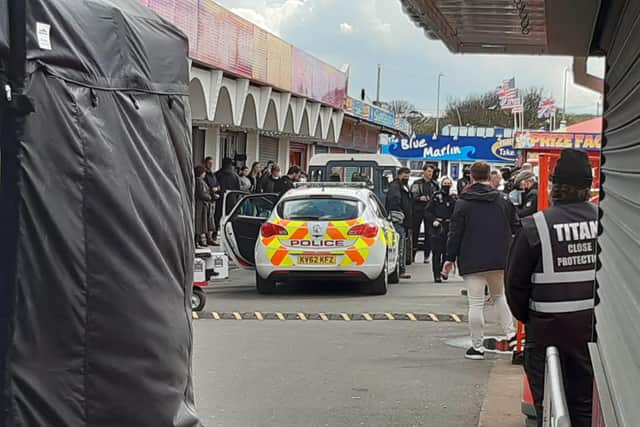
[
  {"x": 578, "y": 382},
  {"x": 437, "y": 257},
  {"x": 420, "y": 217}
]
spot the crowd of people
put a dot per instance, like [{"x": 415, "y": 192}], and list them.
[
  {"x": 210, "y": 188},
  {"x": 536, "y": 266}
]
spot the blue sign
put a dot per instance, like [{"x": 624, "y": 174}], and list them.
[
  {"x": 383, "y": 117},
  {"x": 462, "y": 148}
]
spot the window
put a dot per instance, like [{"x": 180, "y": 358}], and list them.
[
  {"x": 320, "y": 209},
  {"x": 377, "y": 206},
  {"x": 257, "y": 207}
]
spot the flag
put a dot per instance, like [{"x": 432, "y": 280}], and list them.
[
  {"x": 507, "y": 93},
  {"x": 546, "y": 108},
  {"x": 518, "y": 106}
]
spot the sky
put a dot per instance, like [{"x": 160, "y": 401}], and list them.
[{"x": 365, "y": 33}]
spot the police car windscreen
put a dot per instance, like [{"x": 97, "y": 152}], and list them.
[{"x": 319, "y": 209}]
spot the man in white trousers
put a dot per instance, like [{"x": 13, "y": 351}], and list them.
[{"x": 480, "y": 232}]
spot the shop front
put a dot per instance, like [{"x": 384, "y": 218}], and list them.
[{"x": 298, "y": 154}]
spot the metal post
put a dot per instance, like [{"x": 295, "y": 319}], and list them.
[
  {"x": 555, "y": 410},
  {"x": 438, "y": 107},
  {"x": 378, "y": 86},
  {"x": 564, "y": 94}
]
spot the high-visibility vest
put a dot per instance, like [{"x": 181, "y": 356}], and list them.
[{"x": 567, "y": 235}]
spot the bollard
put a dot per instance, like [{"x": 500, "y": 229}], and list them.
[{"x": 555, "y": 412}]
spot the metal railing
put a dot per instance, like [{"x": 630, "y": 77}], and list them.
[{"x": 555, "y": 411}]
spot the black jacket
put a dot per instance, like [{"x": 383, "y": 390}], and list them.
[
  {"x": 283, "y": 185},
  {"x": 268, "y": 183},
  {"x": 462, "y": 182},
  {"x": 212, "y": 181},
  {"x": 422, "y": 187},
  {"x": 481, "y": 228},
  {"x": 228, "y": 180},
  {"x": 441, "y": 207},
  {"x": 529, "y": 204},
  {"x": 399, "y": 199}
]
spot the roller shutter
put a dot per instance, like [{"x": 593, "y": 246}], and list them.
[
  {"x": 268, "y": 149},
  {"x": 617, "y": 315}
]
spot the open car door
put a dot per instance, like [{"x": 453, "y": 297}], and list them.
[{"x": 241, "y": 227}]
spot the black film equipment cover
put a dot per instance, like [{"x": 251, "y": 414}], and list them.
[{"x": 100, "y": 316}]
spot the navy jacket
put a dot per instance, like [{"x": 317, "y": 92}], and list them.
[{"x": 481, "y": 228}]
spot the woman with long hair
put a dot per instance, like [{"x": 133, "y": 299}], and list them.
[{"x": 255, "y": 173}]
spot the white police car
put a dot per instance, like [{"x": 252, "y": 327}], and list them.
[{"x": 316, "y": 231}]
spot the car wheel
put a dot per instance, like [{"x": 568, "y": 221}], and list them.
[
  {"x": 265, "y": 286},
  {"x": 378, "y": 286},
  {"x": 198, "y": 299},
  {"x": 394, "y": 277}
]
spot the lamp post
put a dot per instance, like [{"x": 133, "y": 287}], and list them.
[
  {"x": 564, "y": 94},
  {"x": 440, "y": 75}
]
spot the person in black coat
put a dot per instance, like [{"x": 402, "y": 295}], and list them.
[
  {"x": 203, "y": 200},
  {"x": 526, "y": 182},
  {"x": 270, "y": 179},
  {"x": 441, "y": 208},
  {"x": 286, "y": 183},
  {"x": 214, "y": 188},
  {"x": 228, "y": 180},
  {"x": 464, "y": 181},
  {"x": 399, "y": 205},
  {"x": 481, "y": 228},
  {"x": 421, "y": 191}
]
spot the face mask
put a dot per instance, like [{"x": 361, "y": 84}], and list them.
[
  {"x": 446, "y": 189},
  {"x": 405, "y": 181}
]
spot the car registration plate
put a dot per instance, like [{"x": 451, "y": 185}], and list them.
[{"x": 317, "y": 259}]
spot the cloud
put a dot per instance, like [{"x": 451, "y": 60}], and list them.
[
  {"x": 380, "y": 33},
  {"x": 267, "y": 14},
  {"x": 346, "y": 28}
]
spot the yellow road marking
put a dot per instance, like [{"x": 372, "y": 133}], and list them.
[
  {"x": 389, "y": 316},
  {"x": 301, "y": 316},
  {"x": 237, "y": 315},
  {"x": 411, "y": 317},
  {"x": 215, "y": 315},
  {"x": 433, "y": 317},
  {"x": 194, "y": 315},
  {"x": 345, "y": 316},
  {"x": 259, "y": 315},
  {"x": 323, "y": 316},
  {"x": 456, "y": 318},
  {"x": 367, "y": 316},
  {"x": 280, "y": 316}
]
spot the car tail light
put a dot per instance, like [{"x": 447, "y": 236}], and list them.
[
  {"x": 364, "y": 230},
  {"x": 270, "y": 229}
]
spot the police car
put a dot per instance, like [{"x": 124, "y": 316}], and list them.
[{"x": 316, "y": 231}]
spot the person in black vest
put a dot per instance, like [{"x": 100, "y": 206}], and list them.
[
  {"x": 399, "y": 206},
  {"x": 441, "y": 208},
  {"x": 421, "y": 191},
  {"x": 526, "y": 182},
  {"x": 550, "y": 279}
]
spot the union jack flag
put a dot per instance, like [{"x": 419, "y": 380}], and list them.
[{"x": 546, "y": 108}]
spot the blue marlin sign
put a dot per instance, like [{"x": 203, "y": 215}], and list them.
[{"x": 462, "y": 148}]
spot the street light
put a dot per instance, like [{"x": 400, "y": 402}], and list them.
[
  {"x": 564, "y": 94},
  {"x": 440, "y": 75}
]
